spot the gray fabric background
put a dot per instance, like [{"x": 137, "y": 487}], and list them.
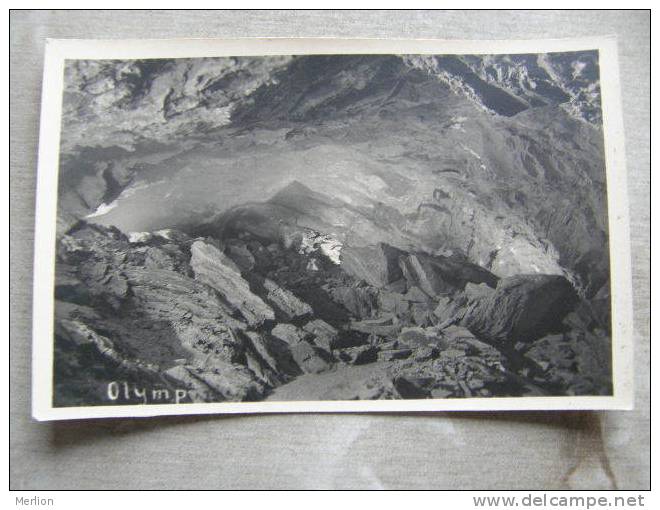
[{"x": 442, "y": 450}]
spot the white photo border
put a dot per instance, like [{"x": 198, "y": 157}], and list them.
[{"x": 59, "y": 50}]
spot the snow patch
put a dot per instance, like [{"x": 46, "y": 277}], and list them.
[
  {"x": 128, "y": 192},
  {"x": 467, "y": 149},
  {"x": 578, "y": 67},
  {"x": 166, "y": 233},
  {"x": 313, "y": 241},
  {"x": 457, "y": 123},
  {"x": 138, "y": 237},
  {"x": 103, "y": 209}
]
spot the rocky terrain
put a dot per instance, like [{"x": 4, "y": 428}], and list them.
[{"x": 359, "y": 227}]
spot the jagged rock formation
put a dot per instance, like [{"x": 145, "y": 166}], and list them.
[
  {"x": 215, "y": 269},
  {"x": 378, "y": 265},
  {"x": 393, "y": 226},
  {"x": 522, "y": 308},
  {"x": 509, "y": 84},
  {"x": 212, "y": 329}
]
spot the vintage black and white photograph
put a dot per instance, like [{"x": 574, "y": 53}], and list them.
[{"x": 331, "y": 227}]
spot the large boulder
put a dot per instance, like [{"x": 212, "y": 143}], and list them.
[
  {"x": 420, "y": 337},
  {"x": 325, "y": 335},
  {"x": 393, "y": 302},
  {"x": 289, "y": 333},
  {"x": 385, "y": 326},
  {"x": 420, "y": 272},
  {"x": 215, "y": 269},
  {"x": 448, "y": 309},
  {"x": 285, "y": 301},
  {"x": 359, "y": 355},
  {"x": 441, "y": 275},
  {"x": 90, "y": 266},
  {"x": 360, "y": 302},
  {"x": 522, "y": 309},
  {"x": 272, "y": 353},
  {"x": 377, "y": 265},
  {"x": 240, "y": 254},
  {"x": 310, "y": 359}
]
